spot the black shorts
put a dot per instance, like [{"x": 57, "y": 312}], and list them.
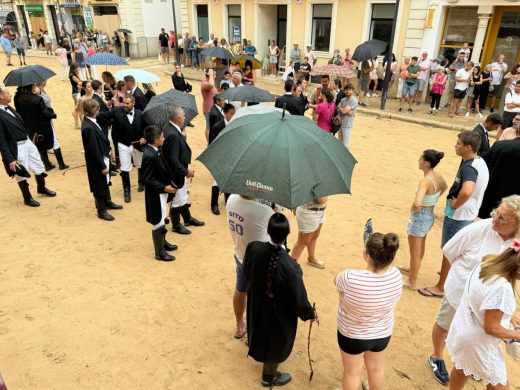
[
  {"x": 458, "y": 94},
  {"x": 356, "y": 346},
  {"x": 181, "y": 50}
]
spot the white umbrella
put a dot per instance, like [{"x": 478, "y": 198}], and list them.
[{"x": 141, "y": 76}]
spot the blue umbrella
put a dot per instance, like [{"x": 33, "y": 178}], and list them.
[
  {"x": 141, "y": 76},
  {"x": 105, "y": 59}
]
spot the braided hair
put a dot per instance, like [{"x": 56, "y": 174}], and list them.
[{"x": 278, "y": 229}]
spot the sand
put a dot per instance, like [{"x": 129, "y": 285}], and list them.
[{"x": 83, "y": 304}]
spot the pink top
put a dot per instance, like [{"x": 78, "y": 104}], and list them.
[
  {"x": 207, "y": 95},
  {"x": 325, "y": 112},
  {"x": 439, "y": 89},
  {"x": 91, "y": 51},
  {"x": 62, "y": 56},
  {"x": 367, "y": 302},
  {"x": 402, "y": 70}
]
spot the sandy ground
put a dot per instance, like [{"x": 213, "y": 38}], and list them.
[{"x": 83, "y": 304}]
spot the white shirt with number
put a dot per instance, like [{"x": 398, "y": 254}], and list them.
[{"x": 247, "y": 221}]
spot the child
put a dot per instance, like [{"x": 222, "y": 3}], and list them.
[
  {"x": 373, "y": 78},
  {"x": 466, "y": 51},
  {"x": 265, "y": 65}
]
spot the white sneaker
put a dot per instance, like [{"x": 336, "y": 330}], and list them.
[
  {"x": 467, "y": 114},
  {"x": 375, "y": 95},
  {"x": 479, "y": 114},
  {"x": 368, "y": 95}
]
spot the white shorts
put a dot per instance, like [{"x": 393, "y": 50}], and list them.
[
  {"x": 29, "y": 157},
  {"x": 127, "y": 154},
  {"x": 181, "y": 196},
  {"x": 163, "y": 198},
  {"x": 308, "y": 220}
]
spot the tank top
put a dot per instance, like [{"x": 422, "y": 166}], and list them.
[
  {"x": 431, "y": 200},
  {"x": 272, "y": 52},
  {"x": 73, "y": 84}
]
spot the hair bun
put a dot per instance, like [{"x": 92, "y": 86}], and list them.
[
  {"x": 391, "y": 242},
  {"x": 440, "y": 155}
]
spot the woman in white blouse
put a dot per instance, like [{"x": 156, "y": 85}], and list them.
[{"x": 482, "y": 321}]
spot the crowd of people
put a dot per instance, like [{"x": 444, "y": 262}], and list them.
[{"x": 481, "y": 259}]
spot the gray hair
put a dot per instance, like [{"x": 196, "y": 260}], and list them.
[
  {"x": 175, "y": 112},
  {"x": 513, "y": 202},
  {"x": 238, "y": 75}
]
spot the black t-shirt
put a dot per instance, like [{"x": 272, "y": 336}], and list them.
[
  {"x": 465, "y": 173},
  {"x": 68, "y": 48},
  {"x": 306, "y": 67},
  {"x": 164, "y": 39}
]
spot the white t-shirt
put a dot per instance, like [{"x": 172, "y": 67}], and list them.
[
  {"x": 464, "y": 75},
  {"x": 247, "y": 221},
  {"x": 367, "y": 302},
  {"x": 469, "y": 210},
  {"x": 497, "y": 72},
  {"x": 465, "y": 251},
  {"x": 423, "y": 64},
  {"x": 512, "y": 97}
]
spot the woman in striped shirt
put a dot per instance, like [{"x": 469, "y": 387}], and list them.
[{"x": 366, "y": 311}]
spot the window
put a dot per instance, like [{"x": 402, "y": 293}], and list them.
[
  {"x": 202, "y": 21},
  {"x": 234, "y": 22},
  {"x": 321, "y": 25},
  {"x": 105, "y": 10},
  {"x": 382, "y": 21},
  {"x": 461, "y": 26}
]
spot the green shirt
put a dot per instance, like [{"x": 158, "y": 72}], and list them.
[{"x": 412, "y": 69}]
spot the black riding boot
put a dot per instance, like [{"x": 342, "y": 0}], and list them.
[
  {"x": 226, "y": 197},
  {"x": 140, "y": 185},
  {"x": 158, "y": 244},
  {"x": 41, "y": 189},
  {"x": 188, "y": 219},
  {"x": 177, "y": 226},
  {"x": 45, "y": 159},
  {"x": 167, "y": 245},
  {"x": 109, "y": 204},
  {"x": 102, "y": 213},
  {"x": 28, "y": 200},
  {"x": 59, "y": 158},
  {"x": 125, "y": 177},
  {"x": 215, "y": 191}
]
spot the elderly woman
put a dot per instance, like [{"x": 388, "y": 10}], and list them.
[{"x": 482, "y": 321}]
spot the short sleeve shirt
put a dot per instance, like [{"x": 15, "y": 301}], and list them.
[
  {"x": 250, "y": 50},
  {"x": 164, "y": 39},
  {"x": 512, "y": 97},
  {"x": 412, "y": 69},
  {"x": 306, "y": 67},
  {"x": 464, "y": 75},
  {"x": 498, "y": 70},
  {"x": 347, "y": 121},
  {"x": 424, "y": 64}
]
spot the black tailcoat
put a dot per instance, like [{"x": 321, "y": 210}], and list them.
[
  {"x": 177, "y": 154},
  {"x": 96, "y": 146}
]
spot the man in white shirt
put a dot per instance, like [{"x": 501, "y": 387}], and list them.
[
  {"x": 310, "y": 55},
  {"x": 424, "y": 63},
  {"x": 498, "y": 70},
  {"x": 465, "y": 251},
  {"x": 236, "y": 82},
  {"x": 511, "y": 106},
  {"x": 462, "y": 78},
  {"x": 247, "y": 221}
]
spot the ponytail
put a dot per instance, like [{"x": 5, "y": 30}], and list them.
[{"x": 271, "y": 271}]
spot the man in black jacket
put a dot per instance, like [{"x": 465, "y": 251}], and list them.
[
  {"x": 18, "y": 152},
  {"x": 127, "y": 128},
  {"x": 178, "y": 81},
  {"x": 492, "y": 123},
  {"x": 216, "y": 114},
  {"x": 177, "y": 155},
  {"x": 132, "y": 88},
  {"x": 158, "y": 190},
  {"x": 292, "y": 103}
]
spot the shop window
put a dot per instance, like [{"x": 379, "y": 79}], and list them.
[
  {"x": 234, "y": 22},
  {"x": 381, "y": 22},
  {"x": 508, "y": 38},
  {"x": 321, "y": 26},
  {"x": 461, "y": 26}
]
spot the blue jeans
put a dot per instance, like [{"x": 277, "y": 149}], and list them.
[
  {"x": 450, "y": 227},
  {"x": 241, "y": 284}
]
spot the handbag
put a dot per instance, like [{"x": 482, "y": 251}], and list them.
[
  {"x": 335, "y": 124},
  {"x": 513, "y": 348}
]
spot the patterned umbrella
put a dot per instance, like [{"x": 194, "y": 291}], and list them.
[
  {"x": 333, "y": 70},
  {"x": 105, "y": 59},
  {"x": 156, "y": 111},
  {"x": 141, "y": 76},
  {"x": 242, "y": 60}
]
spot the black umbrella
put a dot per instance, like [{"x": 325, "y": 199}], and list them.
[
  {"x": 247, "y": 93},
  {"x": 368, "y": 50},
  {"x": 156, "y": 111},
  {"x": 124, "y": 30},
  {"x": 218, "y": 52},
  {"x": 28, "y": 75}
]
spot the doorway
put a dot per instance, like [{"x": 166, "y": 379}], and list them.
[
  {"x": 202, "y": 21},
  {"x": 271, "y": 24}
]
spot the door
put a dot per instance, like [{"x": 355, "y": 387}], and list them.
[
  {"x": 202, "y": 21},
  {"x": 281, "y": 31}
]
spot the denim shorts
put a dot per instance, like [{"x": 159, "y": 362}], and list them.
[
  {"x": 409, "y": 90},
  {"x": 450, "y": 227},
  {"x": 241, "y": 284},
  {"x": 420, "y": 222}
]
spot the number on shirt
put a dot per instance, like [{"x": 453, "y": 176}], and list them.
[{"x": 236, "y": 227}]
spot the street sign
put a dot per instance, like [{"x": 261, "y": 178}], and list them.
[{"x": 236, "y": 30}]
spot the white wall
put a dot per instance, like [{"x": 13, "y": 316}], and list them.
[
  {"x": 266, "y": 21},
  {"x": 157, "y": 14}
]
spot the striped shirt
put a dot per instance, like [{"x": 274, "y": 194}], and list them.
[{"x": 367, "y": 302}]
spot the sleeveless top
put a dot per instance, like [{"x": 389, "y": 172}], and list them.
[
  {"x": 74, "y": 85},
  {"x": 430, "y": 200}
]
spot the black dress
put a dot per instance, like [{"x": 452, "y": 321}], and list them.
[
  {"x": 272, "y": 322},
  {"x": 484, "y": 91}
]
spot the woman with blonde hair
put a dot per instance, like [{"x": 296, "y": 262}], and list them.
[{"x": 482, "y": 321}]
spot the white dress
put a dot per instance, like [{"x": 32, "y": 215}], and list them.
[{"x": 471, "y": 349}]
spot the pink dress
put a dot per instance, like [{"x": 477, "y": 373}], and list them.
[
  {"x": 62, "y": 56},
  {"x": 325, "y": 112}
]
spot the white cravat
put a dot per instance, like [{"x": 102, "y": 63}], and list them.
[
  {"x": 130, "y": 116},
  {"x": 5, "y": 108}
]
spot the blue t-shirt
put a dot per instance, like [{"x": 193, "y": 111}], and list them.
[
  {"x": 6, "y": 43},
  {"x": 194, "y": 45},
  {"x": 250, "y": 50}
]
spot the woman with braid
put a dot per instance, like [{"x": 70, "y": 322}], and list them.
[{"x": 276, "y": 298}]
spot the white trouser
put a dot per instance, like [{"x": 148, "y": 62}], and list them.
[
  {"x": 29, "y": 157},
  {"x": 93, "y": 72},
  {"x": 163, "y": 198},
  {"x": 181, "y": 196},
  {"x": 63, "y": 72},
  {"x": 83, "y": 73},
  {"x": 126, "y": 154},
  {"x": 106, "y": 160},
  {"x": 399, "y": 93},
  {"x": 344, "y": 136},
  {"x": 56, "y": 144}
]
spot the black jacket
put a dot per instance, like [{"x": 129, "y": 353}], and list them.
[
  {"x": 155, "y": 177},
  {"x": 484, "y": 140},
  {"x": 272, "y": 322},
  {"x": 216, "y": 129},
  {"x": 102, "y": 122},
  {"x": 177, "y": 154},
  {"x": 292, "y": 103},
  {"x": 180, "y": 84},
  {"x": 140, "y": 99},
  {"x": 12, "y": 130},
  {"x": 96, "y": 146},
  {"x": 37, "y": 117},
  {"x": 215, "y": 115},
  {"x": 122, "y": 130}
]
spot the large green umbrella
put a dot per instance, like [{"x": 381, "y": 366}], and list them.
[{"x": 287, "y": 160}]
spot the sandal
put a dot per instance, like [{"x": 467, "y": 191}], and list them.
[
  {"x": 430, "y": 294},
  {"x": 240, "y": 333},
  {"x": 316, "y": 263}
]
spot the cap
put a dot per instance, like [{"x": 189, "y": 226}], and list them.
[{"x": 440, "y": 58}]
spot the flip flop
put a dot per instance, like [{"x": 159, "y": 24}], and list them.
[
  {"x": 316, "y": 264},
  {"x": 404, "y": 269},
  {"x": 427, "y": 293}
]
